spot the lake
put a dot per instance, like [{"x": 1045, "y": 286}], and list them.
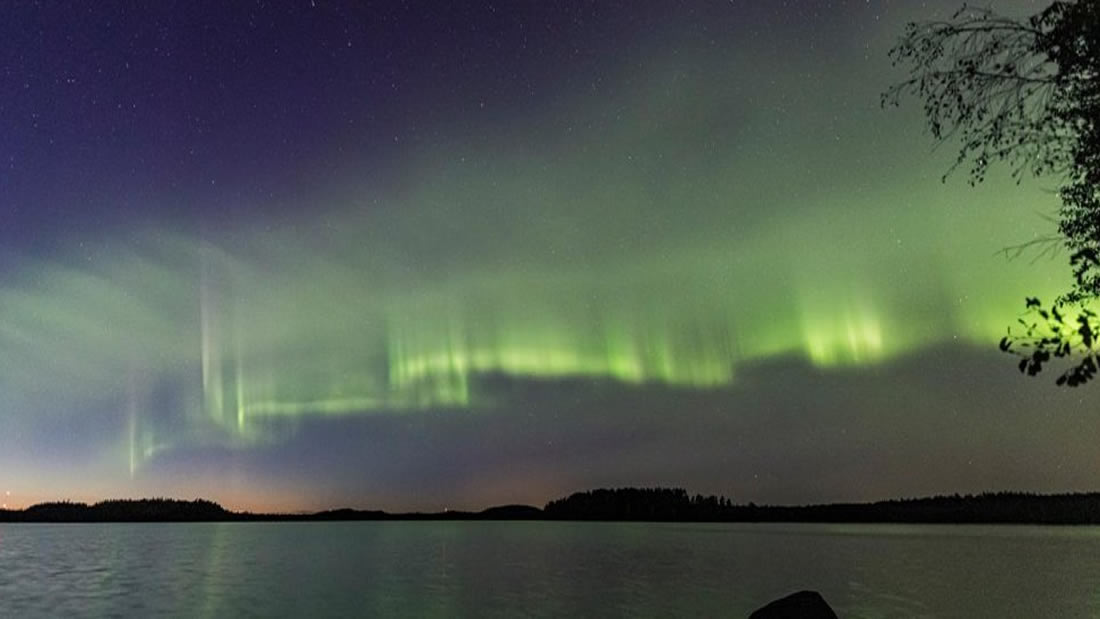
[{"x": 543, "y": 569}]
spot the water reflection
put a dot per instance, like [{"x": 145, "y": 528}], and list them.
[{"x": 500, "y": 569}]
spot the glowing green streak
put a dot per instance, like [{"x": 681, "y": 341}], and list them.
[{"x": 564, "y": 261}]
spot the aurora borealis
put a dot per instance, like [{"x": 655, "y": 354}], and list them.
[{"x": 302, "y": 254}]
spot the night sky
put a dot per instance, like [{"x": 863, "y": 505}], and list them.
[{"x": 423, "y": 255}]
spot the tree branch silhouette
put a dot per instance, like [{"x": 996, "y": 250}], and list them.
[{"x": 1025, "y": 92}]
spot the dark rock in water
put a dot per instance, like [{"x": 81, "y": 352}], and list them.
[{"x": 801, "y": 605}]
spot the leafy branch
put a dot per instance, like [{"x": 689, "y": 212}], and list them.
[{"x": 1056, "y": 332}]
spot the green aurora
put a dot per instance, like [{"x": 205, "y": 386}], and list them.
[
  {"x": 342, "y": 318},
  {"x": 693, "y": 218}
]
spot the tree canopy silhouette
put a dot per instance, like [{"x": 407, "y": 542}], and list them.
[{"x": 1025, "y": 92}]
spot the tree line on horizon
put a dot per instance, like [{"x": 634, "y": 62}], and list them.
[
  {"x": 674, "y": 504},
  {"x": 626, "y": 504},
  {"x": 120, "y": 510}
]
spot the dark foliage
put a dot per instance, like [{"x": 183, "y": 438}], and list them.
[
  {"x": 345, "y": 514},
  {"x": 637, "y": 504},
  {"x": 1025, "y": 92},
  {"x": 624, "y": 504},
  {"x": 674, "y": 504},
  {"x": 143, "y": 510},
  {"x": 172, "y": 510},
  {"x": 1056, "y": 332},
  {"x": 510, "y": 512}
]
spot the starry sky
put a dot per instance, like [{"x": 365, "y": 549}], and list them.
[{"x": 419, "y": 255}]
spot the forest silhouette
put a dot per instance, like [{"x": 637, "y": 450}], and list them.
[{"x": 623, "y": 504}]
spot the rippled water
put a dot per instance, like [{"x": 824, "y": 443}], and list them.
[{"x": 509, "y": 569}]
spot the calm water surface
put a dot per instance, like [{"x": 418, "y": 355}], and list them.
[{"x": 517, "y": 569}]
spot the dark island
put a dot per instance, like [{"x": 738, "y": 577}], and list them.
[{"x": 624, "y": 504}]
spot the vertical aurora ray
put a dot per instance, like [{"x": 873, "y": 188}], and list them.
[
  {"x": 132, "y": 422},
  {"x": 212, "y": 388}
]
